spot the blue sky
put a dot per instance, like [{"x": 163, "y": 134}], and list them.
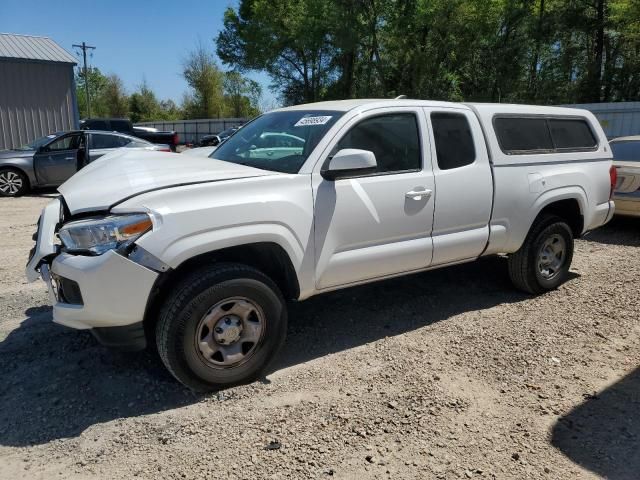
[{"x": 135, "y": 39}]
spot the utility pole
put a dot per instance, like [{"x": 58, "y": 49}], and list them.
[{"x": 84, "y": 47}]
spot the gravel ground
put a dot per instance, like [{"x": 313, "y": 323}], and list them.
[{"x": 446, "y": 374}]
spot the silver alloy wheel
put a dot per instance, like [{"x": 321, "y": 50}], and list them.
[
  {"x": 10, "y": 182},
  {"x": 552, "y": 256},
  {"x": 230, "y": 331}
]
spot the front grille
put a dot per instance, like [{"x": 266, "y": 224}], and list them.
[{"x": 69, "y": 291}]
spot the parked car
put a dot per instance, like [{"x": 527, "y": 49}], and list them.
[
  {"x": 218, "y": 138},
  {"x": 207, "y": 255},
  {"x": 626, "y": 159},
  {"x": 49, "y": 161},
  {"x": 199, "y": 151},
  {"x": 272, "y": 144},
  {"x": 124, "y": 125}
]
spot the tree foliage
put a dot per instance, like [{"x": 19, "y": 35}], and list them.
[
  {"x": 110, "y": 99},
  {"x": 538, "y": 51},
  {"x": 214, "y": 93}
]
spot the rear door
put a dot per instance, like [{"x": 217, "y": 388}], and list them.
[
  {"x": 58, "y": 161},
  {"x": 102, "y": 143},
  {"x": 463, "y": 183}
]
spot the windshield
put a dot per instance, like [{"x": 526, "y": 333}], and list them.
[
  {"x": 626, "y": 150},
  {"x": 36, "y": 144},
  {"x": 277, "y": 141}
]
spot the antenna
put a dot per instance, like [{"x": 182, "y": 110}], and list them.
[{"x": 400, "y": 97}]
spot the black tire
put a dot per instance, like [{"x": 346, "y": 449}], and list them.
[
  {"x": 524, "y": 267},
  {"x": 9, "y": 180},
  {"x": 180, "y": 324}
]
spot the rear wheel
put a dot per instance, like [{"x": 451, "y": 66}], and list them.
[
  {"x": 13, "y": 183},
  {"x": 543, "y": 261},
  {"x": 222, "y": 326}
]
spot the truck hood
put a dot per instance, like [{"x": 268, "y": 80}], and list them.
[{"x": 125, "y": 174}]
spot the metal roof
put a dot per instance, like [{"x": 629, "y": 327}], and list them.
[{"x": 28, "y": 47}]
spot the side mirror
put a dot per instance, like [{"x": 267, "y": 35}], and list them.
[{"x": 350, "y": 162}]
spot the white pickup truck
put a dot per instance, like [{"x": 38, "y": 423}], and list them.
[{"x": 201, "y": 254}]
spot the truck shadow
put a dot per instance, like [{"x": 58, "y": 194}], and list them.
[
  {"x": 603, "y": 433},
  {"x": 57, "y": 382},
  {"x": 619, "y": 231}
]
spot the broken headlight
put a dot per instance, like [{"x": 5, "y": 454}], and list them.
[{"x": 96, "y": 236}]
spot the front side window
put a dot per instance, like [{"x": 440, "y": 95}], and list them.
[
  {"x": 393, "y": 138},
  {"x": 277, "y": 141},
  {"x": 453, "y": 140},
  {"x": 628, "y": 151},
  {"x": 70, "y": 142}
]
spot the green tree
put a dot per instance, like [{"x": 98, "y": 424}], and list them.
[
  {"x": 287, "y": 39},
  {"x": 114, "y": 97},
  {"x": 540, "y": 51},
  {"x": 206, "y": 99},
  {"x": 241, "y": 95},
  {"x": 143, "y": 104},
  {"x": 97, "y": 82}
]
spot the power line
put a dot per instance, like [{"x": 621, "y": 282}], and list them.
[{"x": 84, "y": 47}]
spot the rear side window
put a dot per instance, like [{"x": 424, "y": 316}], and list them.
[
  {"x": 393, "y": 138},
  {"x": 531, "y": 135},
  {"x": 571, "y": 133},
  {"x": 99, "y": 140},
  {"x": 523, "y": 134},
  {"x": 453, "y": 139}
]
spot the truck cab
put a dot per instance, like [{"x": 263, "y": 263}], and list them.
[{"x": 201, "y": 254}]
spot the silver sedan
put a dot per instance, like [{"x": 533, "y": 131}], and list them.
[{"x": 50, "y": 161}]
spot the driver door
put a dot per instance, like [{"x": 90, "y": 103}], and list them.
[
  {"x": 376, "y": 224},
  {"x": 57, "y": 161}
]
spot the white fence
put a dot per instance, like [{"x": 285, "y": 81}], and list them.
[{"x": 191, "y": 131}]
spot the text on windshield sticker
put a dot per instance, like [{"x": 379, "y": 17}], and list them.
[{"x": 306, "y": 121}]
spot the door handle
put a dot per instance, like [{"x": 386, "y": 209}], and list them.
[
  {"x": 69, "y": 158},
  {"x": 418, "y": 194}
]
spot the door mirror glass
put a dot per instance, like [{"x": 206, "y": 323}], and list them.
[{"x": 350, "y": 162}]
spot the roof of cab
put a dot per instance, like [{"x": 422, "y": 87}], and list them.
[
  {"x": 346, "y": 105},
  {"x": 481, "y": 108}
]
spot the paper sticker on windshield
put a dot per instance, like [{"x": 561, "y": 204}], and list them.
[{"x": 306, "y": 121}]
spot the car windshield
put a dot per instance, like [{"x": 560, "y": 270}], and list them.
[
  {"x": 626, "y": 150},
  {"x": 36, "y": 144},
  {"x": 277, "y": 141}
]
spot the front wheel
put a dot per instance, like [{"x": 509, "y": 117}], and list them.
[
  {"x": 221, "y": 327},
  {"x": 543, "y": 261}
]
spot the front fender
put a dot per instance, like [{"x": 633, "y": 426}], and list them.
[
  {"x": 25, "y": 165},
  {"x": 198, "y": 243}
]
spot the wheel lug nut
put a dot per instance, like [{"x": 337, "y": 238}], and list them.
[
  {"x": 227, "y": 321},
  {"x": 219, "y": 330}
]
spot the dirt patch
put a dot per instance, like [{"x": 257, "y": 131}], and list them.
[{"x": 446, "y": 374}]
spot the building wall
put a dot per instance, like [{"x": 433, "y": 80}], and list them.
[
  {"x": 618, "y": 119},
  {"x": 36, "y": 99}
]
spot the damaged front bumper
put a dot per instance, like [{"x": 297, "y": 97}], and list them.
[{"x": 107, "y": 293}]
